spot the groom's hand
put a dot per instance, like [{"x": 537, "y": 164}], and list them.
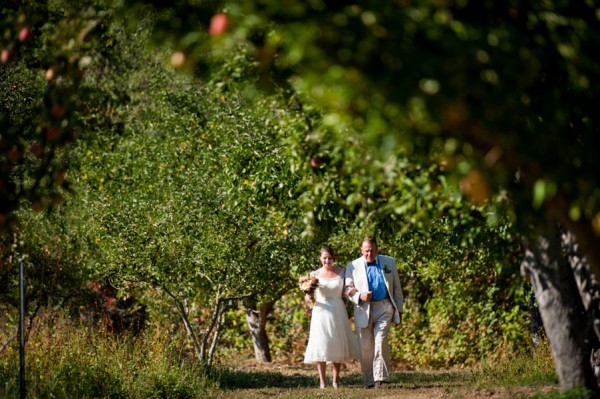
[{"x": 366, "y": 296}]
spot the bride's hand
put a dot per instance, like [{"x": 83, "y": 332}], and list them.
[{"x": 350, "y": 291}]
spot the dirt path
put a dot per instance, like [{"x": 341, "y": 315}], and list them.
[{"x": 251, "y": 381}]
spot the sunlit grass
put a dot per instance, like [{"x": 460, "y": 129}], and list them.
[
  {"x": 533, "y": 367},
  {"x": 63, "y": 361},
  {"x": 70, "y": 361}
]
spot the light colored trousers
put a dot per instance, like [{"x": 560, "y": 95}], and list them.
[{"x": 375, "y": 350}]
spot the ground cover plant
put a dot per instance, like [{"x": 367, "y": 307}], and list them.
[
  {"x": 66, "y": 360},
  {"x": 69, "y": 361}
]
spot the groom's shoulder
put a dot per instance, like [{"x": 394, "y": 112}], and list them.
[
  {"x": 388, "y": 258},
  {"x": 354, "y": 262}
]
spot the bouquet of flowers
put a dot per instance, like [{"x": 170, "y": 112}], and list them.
[{"x": 308, "y": 284}]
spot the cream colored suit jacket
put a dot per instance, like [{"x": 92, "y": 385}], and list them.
[{"x": 356, "y": 276}]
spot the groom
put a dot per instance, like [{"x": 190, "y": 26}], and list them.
[{"x": 377, "y": 303}]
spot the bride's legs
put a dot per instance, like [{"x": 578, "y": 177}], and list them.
[
  {"x": 336, "y": 374},
  {"x": 321, "y": 366}
]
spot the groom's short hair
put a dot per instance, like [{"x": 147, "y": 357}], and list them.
[{"x": 370, "y": 240}]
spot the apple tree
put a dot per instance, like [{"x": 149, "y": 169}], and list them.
[
  {"x": 501, "y": 92},
  {"x": 192, "y": 199},
  {"x": 48, "y": 52}
]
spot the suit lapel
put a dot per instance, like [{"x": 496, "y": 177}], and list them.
[
  {"x": 387, "y": 283},
  {"x": 361, "y": 268},
  {"x": 381, "y": 264}
]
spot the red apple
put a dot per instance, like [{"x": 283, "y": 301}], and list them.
[
  {"x": 61, "y": 175},
  {"x": 36, "y": 149},
  {"x": 52, "y": 133},
  {"x": 218, "y": 24},
  {"x": 58, "y": 110},
  {"x": 14, "y": 154},
  {"x": 178, "y": 59},
  {"x": 5, "y": 55},
  {"x": 24, "y": 34},
  {"x": 49, "y": 74}
]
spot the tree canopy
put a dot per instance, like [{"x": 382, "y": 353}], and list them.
[
  {"x": 437, "y": 126},
  {"x": 498, "y": 92}
]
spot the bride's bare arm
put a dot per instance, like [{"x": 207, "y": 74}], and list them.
[{"x": 350, "y": 291}]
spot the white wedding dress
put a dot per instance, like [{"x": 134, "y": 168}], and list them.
[{"x": 331, "y": 338}]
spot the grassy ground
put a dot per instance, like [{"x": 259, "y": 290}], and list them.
[
  {"x": 67, "y": 362},
  {"x": 300, "y": 381}
]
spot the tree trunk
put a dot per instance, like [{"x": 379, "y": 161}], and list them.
[
  {"x": 561, "y": 309},
  {"x": 257, "y": 321},
  {"x": 588, "y": 286},
  {"x": 589, "y": 290},
  {"x": 587, "y": 240}
]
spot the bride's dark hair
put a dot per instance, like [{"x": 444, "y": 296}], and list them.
[{"x": 327, "y": 248}]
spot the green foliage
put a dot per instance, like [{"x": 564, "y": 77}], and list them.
[
  {"x": 54, "y": 259},
  {"x": 67, "y": 361},
  {"x": 189, "y": 191},
  {"x": 470, "y": 74},
  {"x": 64, "y": 360},
  {"x": 289, "y": 330},
  {"x": 177, "y": 156},
  {"x": 531, "y": 367},
  {"x": 479, "y": 88},
  {"x": 207, "y": 190},
  {"x": 465, "y": 298},
  {"x": 42, "y": 99}
]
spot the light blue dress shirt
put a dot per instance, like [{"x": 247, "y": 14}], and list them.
[{"x": 376, "y": 281}]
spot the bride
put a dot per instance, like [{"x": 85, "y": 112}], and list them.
[{"x": 331, "y": 339}]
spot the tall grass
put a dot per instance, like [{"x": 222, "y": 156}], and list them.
[
  {"x": 66, "y": 361},
  {"x": 534, "y": 368},
  {"x": 63, "y": 361},
  {"x": 528, "y": 367}
]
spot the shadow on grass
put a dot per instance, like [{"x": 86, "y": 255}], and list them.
[{"x": 237, "y": 379}]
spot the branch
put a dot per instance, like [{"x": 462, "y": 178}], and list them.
[
  {"x": 215, "y": 339},
  {"x": 188, "y": 326},
  {"x": 213, "y": 320},
  {"x": 8, "y": 341},
  {"x": 27, "y": 331}
]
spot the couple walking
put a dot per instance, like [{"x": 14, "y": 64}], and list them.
[{"x": 372, "y": 283}]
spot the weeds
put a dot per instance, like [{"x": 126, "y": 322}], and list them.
[
  {"x": 71, "y": 361},
  {"x": 531, "y": 368}
]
